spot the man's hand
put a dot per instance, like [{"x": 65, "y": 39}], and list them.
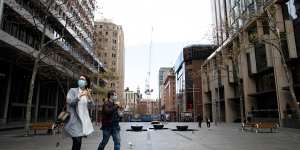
[{"x": 118, "y": 103}]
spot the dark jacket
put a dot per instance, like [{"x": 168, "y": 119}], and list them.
[{"x": 110, "y": 116}]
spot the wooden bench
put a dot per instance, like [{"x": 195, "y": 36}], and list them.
[
  {"x": 48, "y": 126},
  {"x": 266, "y": 125},
  {"x": 155, "y": 122},
  {"x": 249, "y": 125}
]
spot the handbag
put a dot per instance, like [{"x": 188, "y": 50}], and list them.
[{"x": 63, "y": 116}]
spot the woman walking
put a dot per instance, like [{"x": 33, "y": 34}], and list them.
[{"x": 78, "y": 102}]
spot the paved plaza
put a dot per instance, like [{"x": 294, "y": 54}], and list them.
[{"x": 221, "y": 137}]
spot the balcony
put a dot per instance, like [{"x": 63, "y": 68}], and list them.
[{"x": 31, "y": 36}]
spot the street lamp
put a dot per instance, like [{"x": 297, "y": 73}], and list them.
[
  {"x": 194, "y": 102},
  {"x": 217, "y": 101}
]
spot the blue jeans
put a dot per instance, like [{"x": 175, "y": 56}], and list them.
[{"x": 115, "y": 133}]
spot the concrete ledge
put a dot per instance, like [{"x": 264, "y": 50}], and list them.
[{"x": 11, "y": 126}]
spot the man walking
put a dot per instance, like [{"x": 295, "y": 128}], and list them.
[
  {"x": 199, "y": 119},
  {"x": 208, "y": 122},
  {"x": 110, "y": 121}
]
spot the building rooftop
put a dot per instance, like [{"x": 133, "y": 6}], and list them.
[
  {"x": 199, "y": 46},
  {"x": 194, "y": 52}
]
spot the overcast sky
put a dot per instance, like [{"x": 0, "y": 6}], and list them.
[{"x": 176, "y": 24}]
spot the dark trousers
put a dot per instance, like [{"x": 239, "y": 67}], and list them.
[
  {"x": 115, "y": 133},
  {"x": 199, "y": 124},
  {"x": 208, "y": 124},
  {"x": 76, "y": 143}
]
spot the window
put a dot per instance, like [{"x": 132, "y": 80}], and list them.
[
  {"x": 284, "y": 45},
  {"x": 249, "y": 63},
  {"x": 63, "y": 15},
  {"x": 252, "y": 33},
  {"x": 260, "y": 56},
  {"x": 56, "y": 7},
  {"x": 265, "y": 82},
  {"x": 251, "y": 7},
  {"x": 115, "y": 34}
]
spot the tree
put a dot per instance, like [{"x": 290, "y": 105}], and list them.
[
  {"x": 275, "y": 41},
  {"x": 100, "y": 90},
  {"x": 35, "y": 69},
  {"x": 231, "y": 53},
  {"x": 267, "y": 17},
  {"x": 106, "y": 76}
]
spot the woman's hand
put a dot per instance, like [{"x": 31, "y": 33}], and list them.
[
  {"x": 88, "y": 93},
  {"x": 85, "y": 93},
  {"x": 82, "y": 93}
]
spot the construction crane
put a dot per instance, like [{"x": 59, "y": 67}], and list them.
[{"x": 148, "y": 90}]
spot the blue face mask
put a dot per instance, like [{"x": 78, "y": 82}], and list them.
[
  {"x": 81, "y": 83},
  {"x": 114, "y": 98}
]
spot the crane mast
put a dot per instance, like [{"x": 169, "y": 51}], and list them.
[{"x": 148, "y": 90}]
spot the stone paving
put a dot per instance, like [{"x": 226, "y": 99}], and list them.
[{"x": 221, "y": 137}]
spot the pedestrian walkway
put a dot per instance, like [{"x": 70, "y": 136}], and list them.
[{"x": 221, "y": 137}]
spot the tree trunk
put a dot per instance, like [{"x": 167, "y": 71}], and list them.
[
  {"x": 30, "y": 95},
  {"x": 35, "y": 71},
  {"x": 274, "y": 29},
  {"x": 33, "y": 77},
  {"x": 290, "y": 81},
  {"x": 288, "y": 72},
  {"x": 239, "y": 86}
]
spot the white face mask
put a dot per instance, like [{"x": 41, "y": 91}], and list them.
[{"x": 114, "y": 98}]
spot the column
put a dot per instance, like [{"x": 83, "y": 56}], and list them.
[
  {"x": 214, "y": 104},
  {"x": 1, "y": 9},
  {"x": 37, "y": 103},
  {"x": 230, "y": 115},
  {"x": 7, "y": 97},
  {"x": 249, "y": 85},
  {"x": 56, "y": 102}
]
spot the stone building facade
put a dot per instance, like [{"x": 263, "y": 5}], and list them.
[
  {"x": 245, "y": 79},
  {"x": 109, "y": 47},
  {"x": 161, "y": 75},
  {"x": 147, "y": 107},
  {"x": 169, "y": 95}
]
